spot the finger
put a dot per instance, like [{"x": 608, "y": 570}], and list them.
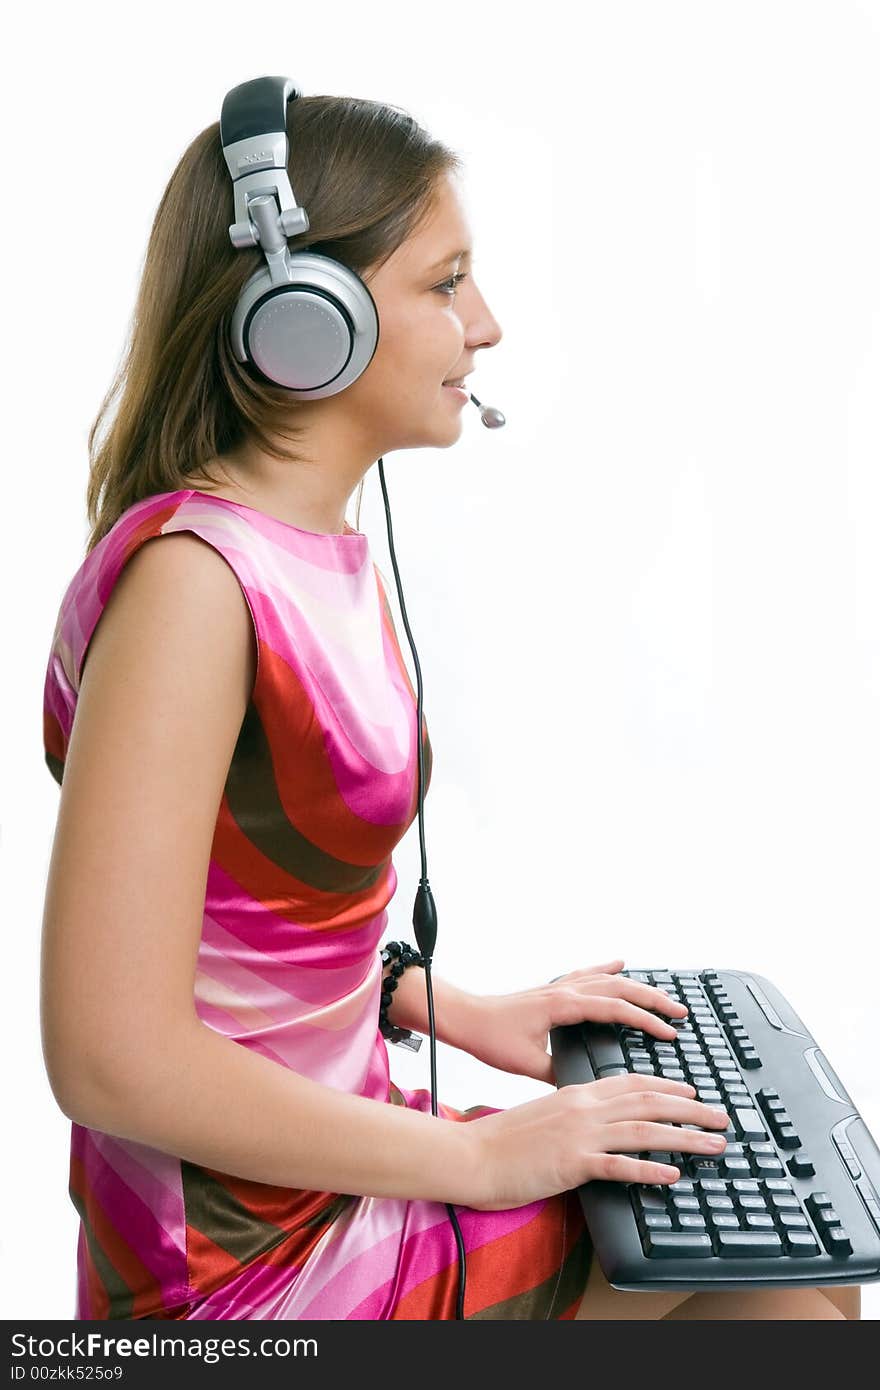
[
  {"x": 637, "y": 1081},
  {"x": 606, "y": 968},
  {"x": 636, "y": 1136},
  {"x": 663, "y": 1105},
  {"x": 648, "y": 995},
  {"x": 610, "y": 1008},
  {"x": 617, "y": 1168}
]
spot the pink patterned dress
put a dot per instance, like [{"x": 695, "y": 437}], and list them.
[{"x": 321, "y": 787}]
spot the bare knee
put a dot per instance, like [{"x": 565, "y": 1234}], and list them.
[
  {"x": 847, "y": 1298},
  {"x": 760, "y": 1304}
]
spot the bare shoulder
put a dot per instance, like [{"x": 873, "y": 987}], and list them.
[{"x": 178, "y": 588}]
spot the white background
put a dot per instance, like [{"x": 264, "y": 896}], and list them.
[{"x": 646, "y": 611}]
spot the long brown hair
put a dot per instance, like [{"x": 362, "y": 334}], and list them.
[{"x": 366, "y": 174}]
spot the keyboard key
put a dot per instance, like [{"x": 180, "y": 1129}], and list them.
[
  {"x": 784, "y": 1201},
  {"x": 746, "y": 1185},
  {"x": 724, "y": 1220},
  {"x": 788, "y": 1137},
  {"x": 827, "y": 1216},
  {"x": 801, "y": 1166},
  {"x": 748, "y": 1243},
  {"x": 837, "y": 1242},
  {"x": 718, "y": 1203},
  {"x": 671, "y": 1244},
  {"x": 702, "y": 1167},
  {"x": 650, "y": 1198},
  {"x": 763, "y": 1166},
  {"x": 819, "y": 1199},
  {"x": 792, "y": 1220},
  {"x": 873, "y": 1208},
  {"x": 752, "y": 1201},
  {"x": 735, "y": 1167},
  {"x": 685, "y": 1203},
  {"x": 657, "y": 1221},
  {"x": 801, "y": 1243},
  {"x": 750, "y": 1124},
  {"x": 849, "y": 1158},
  {"x": 690, "y": 1221},
  {"x": 756, "y": 1220}
]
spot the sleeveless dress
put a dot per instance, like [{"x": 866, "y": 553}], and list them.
[{"x": 321, "y": 787}]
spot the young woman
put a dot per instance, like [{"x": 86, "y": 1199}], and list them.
[{"x": 232, "y": 725}]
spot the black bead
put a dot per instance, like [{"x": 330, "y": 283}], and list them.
[{"x": 402, "y": 955}]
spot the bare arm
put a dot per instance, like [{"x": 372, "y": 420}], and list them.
[
  {"x": 164, "y": 690},
  {"x": 456, "y": 1011},
  {"x": 208, "y": 1099}
]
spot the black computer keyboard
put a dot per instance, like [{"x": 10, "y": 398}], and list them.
[{"x": 794, "y": 1198}]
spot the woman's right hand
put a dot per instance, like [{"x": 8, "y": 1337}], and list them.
[{"x": 583, "y": 1132}]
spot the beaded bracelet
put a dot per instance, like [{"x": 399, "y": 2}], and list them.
[{"x": 403, "y": 955}]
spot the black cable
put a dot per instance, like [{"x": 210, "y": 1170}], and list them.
[{"x": 424, "y": 911}]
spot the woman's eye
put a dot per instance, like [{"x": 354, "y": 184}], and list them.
[{"x": 448, "y": 286}]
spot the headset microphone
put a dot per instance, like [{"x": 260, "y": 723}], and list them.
[{"x": 489, "y": 414}]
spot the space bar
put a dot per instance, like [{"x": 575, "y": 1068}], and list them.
[{"x": 603, "y": 1048}]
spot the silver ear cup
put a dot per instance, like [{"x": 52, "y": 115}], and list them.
[{"x": 314, "y": 334}]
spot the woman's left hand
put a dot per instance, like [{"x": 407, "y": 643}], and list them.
[{"x": 510, "y": 1031}]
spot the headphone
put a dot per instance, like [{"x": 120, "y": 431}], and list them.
[{"x": 308, "y": 323}]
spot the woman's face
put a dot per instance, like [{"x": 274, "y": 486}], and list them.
[{"x": 432, "y": 322}]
